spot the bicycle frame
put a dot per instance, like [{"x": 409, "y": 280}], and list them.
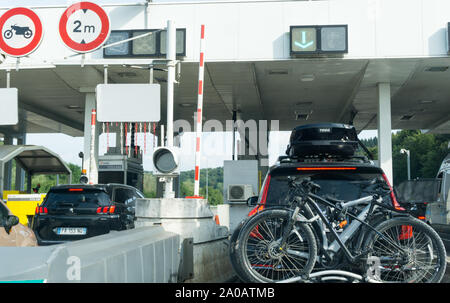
[{"x": 340, "y": 240}]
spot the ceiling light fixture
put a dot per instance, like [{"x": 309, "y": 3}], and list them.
[
  {"x": 307, "y": 78},
  {"x": 436, "y": 68},
  {"x": 278, "y": 72}
]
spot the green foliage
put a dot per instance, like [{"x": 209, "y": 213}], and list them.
[
  {"x": 427, "y": 152},
  {"x": 215, "y": 184}
]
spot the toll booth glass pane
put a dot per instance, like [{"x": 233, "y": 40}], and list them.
[
  {"x": 121, "y": 49},
  {"x": 133, "y": 180},
  {"x": 145, "y": 45},
  {"x": 446, "y": 186},
  {"x": 110, "y": 177}
]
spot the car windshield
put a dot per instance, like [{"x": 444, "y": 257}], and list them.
[
  {"x": 74, "y": 197},
  {"x": 342, "y": 185},
  {"x": 3, "y": 214}
]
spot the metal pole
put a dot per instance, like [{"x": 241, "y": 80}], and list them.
[
  {"x": 409, "y": 164},
  {"x": 8, "y": 78},
  {"x": 162, "y": 134},
  {"x": 105, "y": 73},
  {"x": 151, "y": 74},
  {"x": 171, "y": 61},
  {"x": 234, "y": 135},
  {"x": 171, "y": 57}
]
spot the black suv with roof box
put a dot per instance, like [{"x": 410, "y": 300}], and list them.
[
  {"x": 75, "y": 212},
  {"x": 326, "y": 153}
]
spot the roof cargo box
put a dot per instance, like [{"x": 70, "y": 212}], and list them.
[{"x": 326, "y": 139}]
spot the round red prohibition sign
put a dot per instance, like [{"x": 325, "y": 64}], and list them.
[
  {"x": 21, "y": 32},
  {"x": 89, "y": 27}
]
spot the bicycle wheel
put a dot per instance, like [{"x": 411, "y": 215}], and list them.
[
  {"x": 258, "y": 254},
  {"x": 233, "y": 251},
  {"x": 423, "y": 258}
]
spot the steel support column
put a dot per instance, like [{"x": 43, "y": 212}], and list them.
[{"x": 385, "y": 129}]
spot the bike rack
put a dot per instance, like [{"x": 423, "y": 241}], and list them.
[{"x": 333, "y": 273}]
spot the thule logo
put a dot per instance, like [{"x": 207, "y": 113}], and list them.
[{"x": 324, "y": 130}]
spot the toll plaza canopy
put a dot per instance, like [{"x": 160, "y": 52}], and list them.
[
  {"x": 249, "y": 64},
  {"x": 33, "y": 159}
]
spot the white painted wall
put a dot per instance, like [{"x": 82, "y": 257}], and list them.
[{"x": 259, "y": 30}]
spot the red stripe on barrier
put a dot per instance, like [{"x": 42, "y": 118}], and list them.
[
  {"x": 200, "y": 87},
  {"x": 199, "y": 115},
  {"x": 196, "y": 173},
  {"x": 93, "y": 117},
  {"x": 201, "y": 59},
  {"x": 198, "y": 145},
  {"x": 202, "y": 35}
]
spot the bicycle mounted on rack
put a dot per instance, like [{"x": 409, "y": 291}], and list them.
[{"x": 299, "y": 241}]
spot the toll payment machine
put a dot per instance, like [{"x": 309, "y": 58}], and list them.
[{"x": 116, "y": 168}]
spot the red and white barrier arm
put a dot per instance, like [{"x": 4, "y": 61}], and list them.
[
  {"x": 93, "y": 173},
  {"x": 199, "y": 112}
]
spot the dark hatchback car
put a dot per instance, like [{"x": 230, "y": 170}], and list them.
[{"x": 75, "y": 212}]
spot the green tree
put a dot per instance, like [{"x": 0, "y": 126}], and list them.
[{"x": 427, "y": 152}]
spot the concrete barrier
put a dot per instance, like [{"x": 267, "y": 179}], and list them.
[
  {"x": 191, "y": 218},
  {"x": 148, "y": 254}
]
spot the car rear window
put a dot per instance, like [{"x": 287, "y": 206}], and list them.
[
  {"x": 339, "y": 184},
  {"x": 61, "y": 197}
]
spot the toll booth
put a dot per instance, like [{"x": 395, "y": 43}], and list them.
[{"x": 113, "y": 167}]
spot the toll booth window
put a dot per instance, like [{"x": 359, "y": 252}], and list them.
[{"x": 3, "y": 214}]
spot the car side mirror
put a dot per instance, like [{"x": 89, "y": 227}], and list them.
[
  {"x": 10, "y": 222},
  {"x": 252, "y": 201}
]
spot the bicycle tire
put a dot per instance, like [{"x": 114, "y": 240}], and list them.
[
  {"x": 257, "y": 253},
  {"x": 233, "y": 251},
  {"x": 424, "y": 249}
]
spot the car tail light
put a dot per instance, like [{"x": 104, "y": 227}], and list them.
[
  {"x": 393, "y": 198},
  {"x": 326, "y": 168},
  {"x": 41, "y": 210},
  {"x": 76, "y": 189},
  {"x": 106, "y": 209},
  {"x": 259, "y": 208}
]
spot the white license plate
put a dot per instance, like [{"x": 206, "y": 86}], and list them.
[{"x": 71, "y": 231}]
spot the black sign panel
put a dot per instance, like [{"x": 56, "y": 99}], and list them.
[
  {"x": 147, "y": 46},
  {"x": 318, "y": 39}
]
